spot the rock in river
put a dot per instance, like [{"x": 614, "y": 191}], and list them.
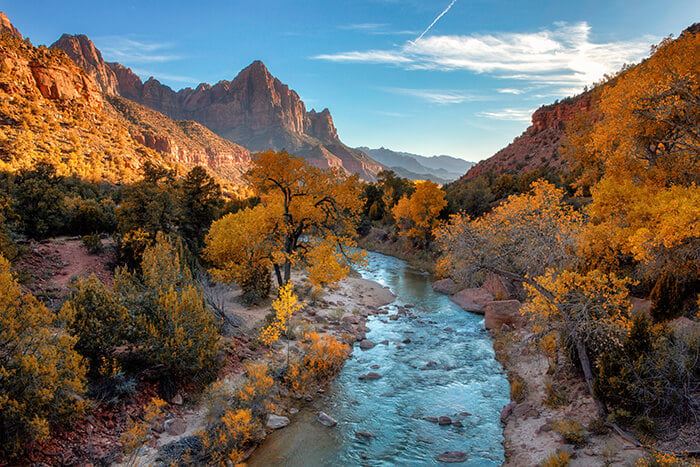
[
  {"x": 366, "y": 344},
  {"x": 371, "y": 375},
  {"x": 325, "y": 419},
  {"x": 452, "y": 457},
  {"x": 275, "y": 422}
]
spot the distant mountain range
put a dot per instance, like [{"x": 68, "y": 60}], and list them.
[{"x": 439, "y": 169}]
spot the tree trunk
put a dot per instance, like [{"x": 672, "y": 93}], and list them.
[
  {"x": 588, "y": 373},
  {"x": 278, "y": 274}
]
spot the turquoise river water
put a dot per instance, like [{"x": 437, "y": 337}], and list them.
[{"x": 466, "y": 384}]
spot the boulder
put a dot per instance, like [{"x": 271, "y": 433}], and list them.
[
  {"x": 472, "y": 300},
  {"x": 275, "y": 422},
  {"x": 365, "y": 434},
  {"x": 502, "y": 312},
  {"x": 499, "y": 287},
  {"x": 452, "y": 457},
  {"x": 325, "y": 419},
  {"x": 507, "y": 411},
  {"x": 175, "y": 426},
  {"x": 443, "y": 421},
  {"x": 372, "y": 375},
  {"x": 366, "y": 344}
]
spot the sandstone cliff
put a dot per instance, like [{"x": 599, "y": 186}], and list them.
[
  {"x": 53, "y": 110},
  {"x": 539, "y": 144},
  {"x": 255, "y": 109},
  {"x": 84, "y": 53}
]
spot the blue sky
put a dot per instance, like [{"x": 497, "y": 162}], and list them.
[{"x": 466, "y": 88}]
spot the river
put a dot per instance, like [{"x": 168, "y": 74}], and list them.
[{"x": 465, "y": 382}]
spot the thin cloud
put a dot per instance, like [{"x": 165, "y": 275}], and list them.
[
  {"x": 378, "y": 29},
  {"x": 127, "y": 50},
  {"x": 563, "y": 56},
  {"x": 439, "y": 96},
  {"x": 509, "y": 91},
  {"x": 515, "y": 115}
]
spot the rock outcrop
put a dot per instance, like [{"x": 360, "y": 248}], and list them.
[
  {"x": 538, "y": 146},
  {"x": 6, "y": 26},
  {"x": 255, "y": 109},
  {"x": 84, "y": 53}
]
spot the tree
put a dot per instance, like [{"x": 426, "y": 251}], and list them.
[
  {"x": 39, "y": 198},
  {"x": 640, "y": 152},
  {"x": 416, "y": 216},
  {"x": 42, "y": 378},
  {"x": 525, "y": 236},
  {"x": 200, "y": 203},
  {"x": 284, "y": 307},
  {"x": 299, "y": 205}
]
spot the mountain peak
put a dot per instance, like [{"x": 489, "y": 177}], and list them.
[
  {"x": 84, "y": 53},
  {"x": 6, "y": 25}
]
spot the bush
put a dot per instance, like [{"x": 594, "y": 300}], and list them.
[
  {"x": 92, "y": 243},
  {"x": 42, "y": 377},
  {"x": 654, "y": 373},
  {"x": 518, "y": 389},
  {"x": 100, "y": 320},
  {"x": 557, "y": 459},
  {"x": 572, "y": 431},
  {"x": 323, "y": 357}
]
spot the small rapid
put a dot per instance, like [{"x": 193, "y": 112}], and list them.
[{"x": 438, "y": 362}]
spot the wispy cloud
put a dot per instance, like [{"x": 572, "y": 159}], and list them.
[
  {"x": 126, "y": 50},
  {"x": 379, "y": 29},
  {"x": 510, "y": 91},
  {"x": 516, "y": 115},
  {"x": 439, "y": 96},
  {"x": 563, "y": 56}
]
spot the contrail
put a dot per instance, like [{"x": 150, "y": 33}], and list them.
[{"x": 436, "y": 20}]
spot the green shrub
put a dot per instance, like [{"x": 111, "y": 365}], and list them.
[
  {"x": 41, "y": 376},
  {"x": 92, "y": 243},
  {"x": 101, "y": 320}
]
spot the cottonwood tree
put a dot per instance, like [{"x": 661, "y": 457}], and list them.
[
  {"x": 416, "y": 216},
  {"x": 532, "y": 239},
  {"x": 301, "y": 208}
]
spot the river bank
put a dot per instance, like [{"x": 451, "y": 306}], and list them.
[
  {"x": 438, "y": 388},
  {"x": 341, "y": 312}
]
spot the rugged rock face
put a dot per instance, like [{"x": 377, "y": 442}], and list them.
[
  {"x": 539, "y": 145},
  {"x": 84, "y": 53},
  {"x": 6, "y": 26},
  {"x": 54, "y": 78},
  {"x": 186, "y": 142},
  {"x": 255, "y": 110}
]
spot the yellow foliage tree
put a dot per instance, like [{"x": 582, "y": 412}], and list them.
[
  {"x": 299, "y": 204},
  {"x": 417, "y": 216},
  {"x": 641, "y": 155},
  {"x": 41, "y": 376},
  {"x": 284, "y": 306},
  {"x": 523, "y": 237}
]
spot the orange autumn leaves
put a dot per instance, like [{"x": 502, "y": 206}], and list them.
[{"x": 416, "y": 216}]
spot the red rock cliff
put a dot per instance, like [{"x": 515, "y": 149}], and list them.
[{"x": 539, "y": 144}]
